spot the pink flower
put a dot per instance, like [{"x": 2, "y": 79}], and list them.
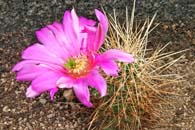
[{"x": 67, "y": 56}]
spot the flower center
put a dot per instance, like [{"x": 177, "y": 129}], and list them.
[{"x": 77, "y": 66}]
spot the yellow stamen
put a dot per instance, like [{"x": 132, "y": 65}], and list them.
[{"x": 77, "y": 66}]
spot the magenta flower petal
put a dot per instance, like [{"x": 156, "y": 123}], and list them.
[
  {"x": 75, "y": 22},
  {"x": 29, "y": 72},
  {"x": 83, "y": 48},
  {"x": 72, "y": 29},
  {"x": 86, "y": 22},
  {"x": 69, "y": 29},
  {"x": 99, "y": 38},
  {"x": 103, "y": 20},
  {"x": 101, "y": 30},
  {"x": 114, "y": 54},
  {"x": 96, "y": 35},
  {"x": 91, "y": 34},
  {"x": 59, "y": 36},
  {"x": 82, "y": 92},
  {"x": 65, "y": 82},
  {"x": 45, "y": 82},
  {"x": 52, "y": 92},
  {"x": 21, "y": 66},
  {"x": 95, "y": 80},
  {"x": 48, "y": 37},
  {"x": 66, "y": 49},
  {"x": 109, "y": 67},
  {"x": 40, "y": 52},
  {"x": 31, "y": 93}
]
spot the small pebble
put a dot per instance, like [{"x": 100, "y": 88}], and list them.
[{"x": 43, "y": 101}]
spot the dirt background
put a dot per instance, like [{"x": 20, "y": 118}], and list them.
[{"x": 19, "y": 19}]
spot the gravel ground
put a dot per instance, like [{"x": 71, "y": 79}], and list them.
[{"x": 20, "y": 18}]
